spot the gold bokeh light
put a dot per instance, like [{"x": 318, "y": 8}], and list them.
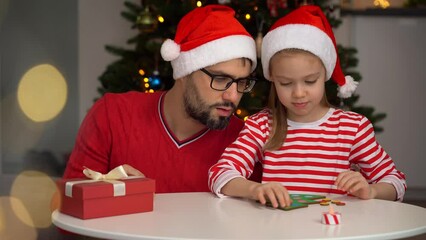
[
  {"x": 42, "y": 93},
  {"x": 35, "y": 190},
  {"x": 12, "y": 227}
]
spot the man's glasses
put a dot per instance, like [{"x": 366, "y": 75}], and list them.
[{"x": 223, "y": 82}]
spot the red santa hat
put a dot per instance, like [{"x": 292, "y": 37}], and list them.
[
  {"x": 207, "y": 36},
  {"x": 307, "y": 28}
]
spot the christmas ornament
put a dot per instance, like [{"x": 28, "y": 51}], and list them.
[
  {"x": 154, "y": 81},
  {"x": 146, "y": 22}
]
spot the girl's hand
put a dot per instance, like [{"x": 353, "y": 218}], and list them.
[
  {"x": 132, "y": 171},
  {"x": 355, "y": 184},
  {"x": 274, "y": 192}
]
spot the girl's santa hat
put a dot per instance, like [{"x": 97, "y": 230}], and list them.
[
  {"x": 207, "y": 36},
  {"x": 307, "y": 28}
]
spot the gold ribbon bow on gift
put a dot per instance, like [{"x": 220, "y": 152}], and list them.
[
  {"x": 111, "y": 177},
  {"x": 114, "y": 174}
]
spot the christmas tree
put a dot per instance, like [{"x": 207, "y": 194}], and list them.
[{"x": 141, "y": 68}]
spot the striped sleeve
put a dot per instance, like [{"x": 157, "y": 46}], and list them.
[
  {"x": 239, "y": 158},
  {"x": 375, "y": 164}
]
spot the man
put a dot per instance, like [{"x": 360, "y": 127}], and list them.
[{"x": 174, "y": 137}]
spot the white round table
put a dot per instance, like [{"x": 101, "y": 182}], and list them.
[{"x": 204, "y": 216}]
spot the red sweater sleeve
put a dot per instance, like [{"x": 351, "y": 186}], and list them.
[{"x": 93, "y": 143}]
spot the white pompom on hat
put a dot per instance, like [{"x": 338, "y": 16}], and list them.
[
  {"x": 307, "y": 28},
  {"x": 169, "y": 50},
  {"x": 207, "y": 36}
]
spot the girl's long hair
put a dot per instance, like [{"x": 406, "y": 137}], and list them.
[{"x": 278, "y": 131}]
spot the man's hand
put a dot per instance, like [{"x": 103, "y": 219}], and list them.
[{"x": 132, "y": 171}]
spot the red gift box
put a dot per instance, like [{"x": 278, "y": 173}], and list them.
[{"x": 86, "y": 198}]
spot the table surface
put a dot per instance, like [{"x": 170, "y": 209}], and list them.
[{"x": 204, "y": 216}]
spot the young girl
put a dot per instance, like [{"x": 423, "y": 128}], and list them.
[{"x": 305, "y": 145}]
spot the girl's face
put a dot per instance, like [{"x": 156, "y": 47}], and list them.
[{"x": 299, "y": 79}]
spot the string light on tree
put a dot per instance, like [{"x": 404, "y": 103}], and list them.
[
  {"x": 242, "y": 113},
  {"x": 160, "y": 18},
  {"x": 381, "y": 3},
  {"x": 145, "y": 80},
  {"x": 146, "y": 83}
]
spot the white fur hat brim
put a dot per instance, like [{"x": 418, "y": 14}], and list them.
[
  {"x": 213, "y": 52},
  {"x": 299, "y": 36}
]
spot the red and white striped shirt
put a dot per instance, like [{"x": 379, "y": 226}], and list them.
[{"x": 312, "y": 156}]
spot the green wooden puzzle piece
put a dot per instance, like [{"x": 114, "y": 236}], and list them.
[
  {"x": 299, "y": 201},
  {"x": 294, "y": 205},
  {"x": 306, "y": 198}
]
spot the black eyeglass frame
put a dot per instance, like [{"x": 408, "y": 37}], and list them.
[{"x": 249, "y": 87}]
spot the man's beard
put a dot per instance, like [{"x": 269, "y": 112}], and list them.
[{"x": 201, "y": 111}]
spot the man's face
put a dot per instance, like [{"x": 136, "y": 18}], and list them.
[{"x": 211, "y": 107}]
